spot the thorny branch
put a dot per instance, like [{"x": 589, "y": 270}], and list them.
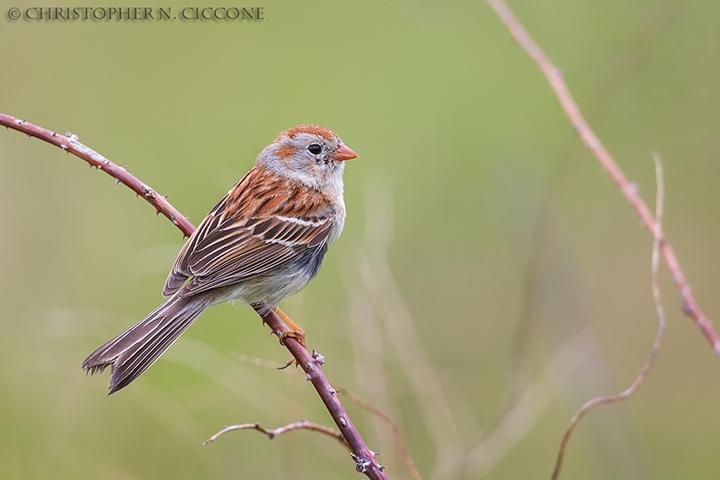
[{"x": 311, "y": 364}]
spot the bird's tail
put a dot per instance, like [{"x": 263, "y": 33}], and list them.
[{"x": 133, "y": 351}]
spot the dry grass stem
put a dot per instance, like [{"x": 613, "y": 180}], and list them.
[
  {"x": 369, "y": 351},
  {"x": 391, "y": 424},
  {"x": 429, "y": 391},
  {"x": 265, "y": 363},
  {"x": 532, "y": 404},
  {"x": 657, "y": 242}
]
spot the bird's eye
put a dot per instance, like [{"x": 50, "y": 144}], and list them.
[{"x": 314, "y": 148}]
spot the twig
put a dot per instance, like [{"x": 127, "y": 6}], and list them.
[
  {"x": 301, "y": 425},
  {"x": 657, "y": 242},
  {"x": 312, "y": 364},
  {"x": 592, "y": 142}
]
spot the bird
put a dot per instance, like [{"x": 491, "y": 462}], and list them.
[{"x": 262, "y": 242}]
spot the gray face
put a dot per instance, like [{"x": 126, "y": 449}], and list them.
[{"x": 305, "y": 157}]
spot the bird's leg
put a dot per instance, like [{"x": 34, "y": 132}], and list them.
[{"x": 295, "y": 332}]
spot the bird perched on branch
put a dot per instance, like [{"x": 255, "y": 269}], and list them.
[{"x": 264, "y": 241}]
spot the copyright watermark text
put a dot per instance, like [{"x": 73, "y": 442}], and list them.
[{"x": 120, "y": 14}]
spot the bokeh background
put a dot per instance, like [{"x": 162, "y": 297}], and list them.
[{"x": 490, "y": 278}]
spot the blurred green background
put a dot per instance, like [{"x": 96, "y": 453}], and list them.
[{"x": 490, "y": 278}]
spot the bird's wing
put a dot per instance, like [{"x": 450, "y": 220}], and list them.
[{"x": 252, "y": 230}]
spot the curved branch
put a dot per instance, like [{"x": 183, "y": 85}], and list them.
[
  {"x": 70, "y": 144},
  {"x": 554, "y": 77}
]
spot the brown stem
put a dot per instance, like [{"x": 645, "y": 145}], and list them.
[
  {"x": 311, "y": 364},
  {"x": 592, "y": 142}
]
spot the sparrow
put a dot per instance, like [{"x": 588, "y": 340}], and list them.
[{"x": 264, "y": 241}]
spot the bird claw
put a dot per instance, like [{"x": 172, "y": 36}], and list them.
[{"x": 297, "y": 335}]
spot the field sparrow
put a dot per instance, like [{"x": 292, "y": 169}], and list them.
[{"x": 265, "y": 240}]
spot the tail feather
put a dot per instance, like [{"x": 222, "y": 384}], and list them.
[{"x": 132, "y": 352}]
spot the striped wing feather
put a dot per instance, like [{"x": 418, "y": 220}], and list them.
[{"x": 247, "y": 234}]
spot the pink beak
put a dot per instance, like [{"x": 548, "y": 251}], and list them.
[{"x": 343, "y": 153}]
